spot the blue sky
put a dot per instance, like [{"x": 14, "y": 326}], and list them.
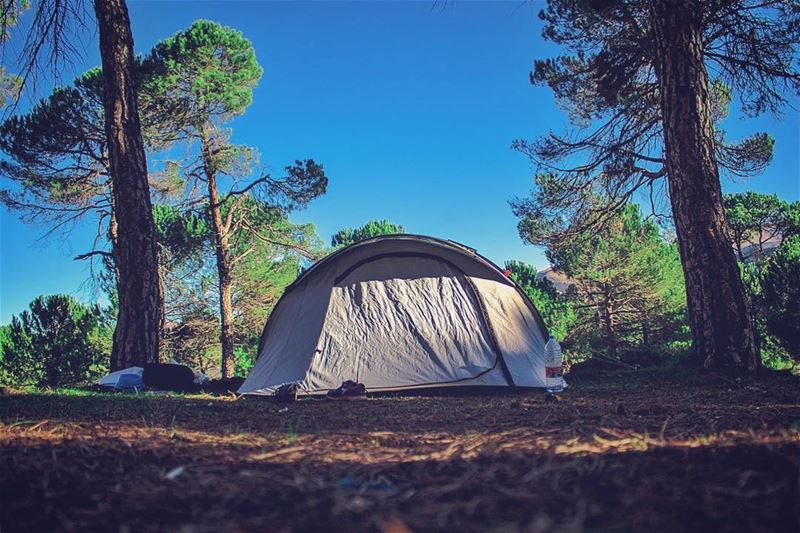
[{"x": 411, "y": 109}]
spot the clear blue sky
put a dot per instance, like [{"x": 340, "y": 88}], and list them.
[{"x": 410, "y": 108}]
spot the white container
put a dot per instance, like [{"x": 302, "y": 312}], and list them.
[{"x": 554, "y": 380}]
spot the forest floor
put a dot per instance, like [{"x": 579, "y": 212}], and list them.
[{"x": 652, "y": 450}]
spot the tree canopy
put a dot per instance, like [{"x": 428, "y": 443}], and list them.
[
  {"x": 58, "y": 157},
  {"x": 373, "y": 228},
  {"x": 756, "y": 220},
  {"x": 204, "y": 74},
  {"x": 10, "y": 84},
  {"x": 607, "y": 84}
]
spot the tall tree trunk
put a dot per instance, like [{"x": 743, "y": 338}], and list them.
[
  {"x": 138, "y": 328},
  {"x": 223, "y": 264},
  {"x": 113, "y": 233},
  {"x": 608, "y": 319},
  {"x": 719, "y": 311}
]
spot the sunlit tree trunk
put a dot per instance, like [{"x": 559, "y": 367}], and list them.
[
  {"x": 223, "y": 263},
  {"x": 136, "y": 337},
  {"x": 719, "y": 311}
]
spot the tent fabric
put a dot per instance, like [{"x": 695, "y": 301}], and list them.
[
  {"x": 126, "y": 379},
  {"x": 399, "y": 312}
]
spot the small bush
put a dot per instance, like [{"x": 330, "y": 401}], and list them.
[
  {"x": 780, "y": 285},
  {"x": 243, "y": 361},
  {"x": 57, "y": 342}
]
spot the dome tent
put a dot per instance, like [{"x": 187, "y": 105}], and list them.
[{"x": 400, "y": 312}]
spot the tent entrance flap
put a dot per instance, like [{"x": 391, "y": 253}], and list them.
[{"x": 389, "y": 326}]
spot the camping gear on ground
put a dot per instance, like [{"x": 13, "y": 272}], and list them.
[
  {"x": 128, "y": 379},
  {"x": 199, "y": 377},
  {"x": 133, "y": 379},
  {"x": 287, "y": 393},
  {"x": 222, "y": 385},
  {"x": 401, "y": 312},
  {"x": 348, "y": 390},
  {"x": 552, "y": 368},
  {"x": 130, "y": 382},
  {"x": 168, "y": 376}
]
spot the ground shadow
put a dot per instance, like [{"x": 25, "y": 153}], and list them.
[
  {"x": 646, "y": 451},
  {"x": 107, "y": 485}
]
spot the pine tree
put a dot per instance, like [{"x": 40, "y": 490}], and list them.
[
  {"x": 204, "y": 76},
  {"x": 755, "y": 220},
  {"x": 58, "y": 162},
  {"x": 136, "y": 338},
  {"x": 636, "y": 84},
  {"x": 557, "y": 311},
  {"x": 261, "y": 270},
  {"x": 56, "y": 342},
  {"x": 628, "y": 289}
]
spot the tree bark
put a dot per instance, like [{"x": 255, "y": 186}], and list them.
[
  {"x": 113, "y": 233},
  {"x": 608, "y": 319},
  {"x": 136, "y": 336},
  {"x": 719, "y": 311},
  {"x": 223, "y": 263}
]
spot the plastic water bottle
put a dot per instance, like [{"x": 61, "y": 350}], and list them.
[{"x": 552, "y": 366}]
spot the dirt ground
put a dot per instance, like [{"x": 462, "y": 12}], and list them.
[{"x": 643, "y": 451}]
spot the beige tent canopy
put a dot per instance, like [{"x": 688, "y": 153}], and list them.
[{"x": 401, "y": 312}]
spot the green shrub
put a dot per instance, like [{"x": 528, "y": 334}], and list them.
[
  {"x": 243, "y": 361},
  {"x": 780, "y": 295},
  {"x": 57, "y": 342},
  {"x": 556, "y": 310}
]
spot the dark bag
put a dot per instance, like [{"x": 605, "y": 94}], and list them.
[
  {"x": 162, "y": 376},
  {"x": 286, "y": 393},
  {"x": 222, "y": 386}
]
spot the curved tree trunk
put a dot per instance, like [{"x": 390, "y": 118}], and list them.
[
  {"x": 136, "y": 336},
  {"x": 719, "y": 311}
]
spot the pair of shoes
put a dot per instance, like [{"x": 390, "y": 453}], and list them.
[
  {"x": 287, "y": 393},
  {"x": 349, "y": 390}
]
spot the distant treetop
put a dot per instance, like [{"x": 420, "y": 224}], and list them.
[{"x": 373, "y": 228}]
